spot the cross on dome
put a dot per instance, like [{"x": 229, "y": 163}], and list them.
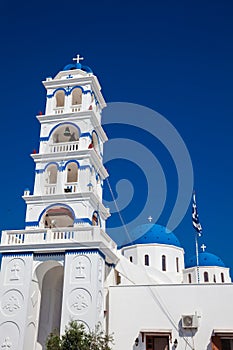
[
  {"x": 203, "y": 247},
  {"x": 150, "y": 218},
  {"x": 78, "y": 58}
]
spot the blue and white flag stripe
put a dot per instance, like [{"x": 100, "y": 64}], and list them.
[{"x": 195, "y": 219}]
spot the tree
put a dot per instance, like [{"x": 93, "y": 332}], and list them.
[{"x": 77, "y": 338}]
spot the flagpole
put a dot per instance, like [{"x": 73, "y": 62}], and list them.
[
  {"x": 197, "y": 258},
  {"x": 198, "y": 229}
]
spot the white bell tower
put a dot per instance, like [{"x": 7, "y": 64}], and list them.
[{"x": 54, "y": 271}]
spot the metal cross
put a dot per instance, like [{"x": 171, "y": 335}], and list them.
[
  {"x": 203, "y": 247},
  {"x": 150, "y": 218},
  {"x": 78, "y": 58}
]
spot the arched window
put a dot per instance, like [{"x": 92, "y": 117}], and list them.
[
  {"x": 206, "y": 276},
  {"x": 95, "y": 219},
  {"x": 222, "y": 277},
  {"x": 131, "y": 259},
  {"x": 147, "y": 262},
  {"x": 51, "y": 174},
  {"x": 76, "y": 97},
  {"x": 177, "y": 265},
  {"x": 94, "y": 141},
  {"x": 58, "y": 216},
  {"x": 164, "y": 267},
  {"x": 72, "y": 172},
  {"x": 190, "y": 278},
  {"x": 60, "y": 98},
  {"x": 214, "y": 279}
]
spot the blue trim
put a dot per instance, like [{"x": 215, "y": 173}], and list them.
[
  {"x": 43, "y": 138},
  {"x": 39, "y": 171},
  {"x": 86, "y": 134},
  {"x": 64, "y": 123},
  {"x": 17, "y": 254},
  {"x": 55, "y": 205},
  {"x": 54, "y": 92},
  {"x": 69, "y": 161},
  {"x": 32, "y": 223},
  {"x": 83, "y": 167},
  {"x": 77, "y": 66},
  {"x": 82, "y": 221},
  {"x": 86, "y": 251}
]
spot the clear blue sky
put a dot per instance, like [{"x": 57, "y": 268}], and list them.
[{"x": 174, "y": 57}]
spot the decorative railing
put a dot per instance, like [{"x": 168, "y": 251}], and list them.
[
  {"x": 76, "y": 108},
  {"x": 50, "y": 189},
  {"x": 64, "y": 147},
  {"x": 71, "y": 187},
  {"x": 55, "y": 235},
  {"x": 59, "y": 110}
]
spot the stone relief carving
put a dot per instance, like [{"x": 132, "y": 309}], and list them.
[
  {"x": 79, "y": 301},
  {"x": 81, "y": 269},
  {"x": 11, "y": 302},
  {"x": 15, "y": 271},
  {"x": 100, "y": 270},
  {"x": 6, "y": 344},
  {"x": 99, "y": 302}
]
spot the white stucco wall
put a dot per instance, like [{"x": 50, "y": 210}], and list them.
[{"x": 153, "y": 308}]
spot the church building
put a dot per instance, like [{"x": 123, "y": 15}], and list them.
[{"x": 64, "y": 266}]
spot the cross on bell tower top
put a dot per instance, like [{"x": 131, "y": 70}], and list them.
[{"x": 78, "y": 58}]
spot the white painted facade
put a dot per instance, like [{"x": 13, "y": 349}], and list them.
[{"x": 64, "y": 266}]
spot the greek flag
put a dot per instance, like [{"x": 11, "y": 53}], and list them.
[{"x": 196, "y": 223}]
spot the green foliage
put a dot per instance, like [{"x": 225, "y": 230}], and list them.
[
  {"x": 53, "y": 341},
  {"x": 76, "y": 338}
]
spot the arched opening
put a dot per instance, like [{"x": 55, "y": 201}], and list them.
[
  {"x": 206, "y": 276},
  {"x": 65, "y": 133},
  {"x": 60, "y": 98},
  {"x": 95, "y": 219},
  {"x": 58, "y": 216},
  {"x": 50, "y": 179},
  {"x": 131, "y": 259},
  {"x": 189, "y": 278},
  {"x": 71, "y": 184},
  {"x": 177, "y": 265},
  {"x": 146, "y": 260},
  {"x": 164, "y": 267},
  {"x": 214, "y": 279},
  {"x": 76, "y": 97},
  {"x": 51, "y": 174},
  {"x": 222, "y": 277},
  {"x": 72, "y": 172},
  {"x": 51, "y": 287},
  {"x": 95, "y": 141}
]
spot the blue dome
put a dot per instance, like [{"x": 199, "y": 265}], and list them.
[
  {"x": 205, "y": 259},
  {"x": 152, "y": 233},
  {"x": 77, "y": 66}
]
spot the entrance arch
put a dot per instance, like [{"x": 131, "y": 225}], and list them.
[{"x": 50, "y": 277}]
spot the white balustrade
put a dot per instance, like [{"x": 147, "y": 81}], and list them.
[
  {"x": 50, "y": 189},
  {"x": 59, "y": 110},
  {"x": 71, "y": 187},
  {"x": 64, "y": 147},
  {"x": 55, "y": 235},
  {"x": 76, "y": 108}
]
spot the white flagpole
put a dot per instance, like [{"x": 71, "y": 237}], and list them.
[{"x": 197, "y": 258}]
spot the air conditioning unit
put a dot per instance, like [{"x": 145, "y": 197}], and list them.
[{"x": 189, "y": 321}]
